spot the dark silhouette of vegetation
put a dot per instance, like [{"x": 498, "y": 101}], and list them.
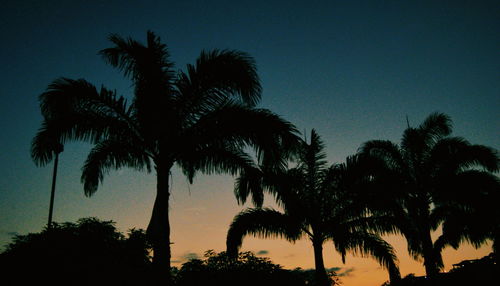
[
  {"x": 476, "y": 218},
  {"x": 88, "y": 252},
  {"x": 319, "y": 203},
  {"x": 247, "y": 270},
  {"x": 432, "y": 179},
  {"x": 482, "y": 271},
  {"x": 199, "y": 120},
  {"x": 93, "y": 252}
]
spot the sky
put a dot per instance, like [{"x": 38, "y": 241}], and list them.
[{"x": 353, "y": 70}]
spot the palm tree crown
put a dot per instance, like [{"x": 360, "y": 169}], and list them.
[
  {"x": 318, "y": 203},
  {"x": 199, "y": 119},
  {"x": 426, "y": 180}
]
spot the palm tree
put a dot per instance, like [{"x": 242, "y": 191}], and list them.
[
  {"x": 426, "y": 180},
  {"x": 199, "y": 120},
  {"x": 318, "y": 202}
]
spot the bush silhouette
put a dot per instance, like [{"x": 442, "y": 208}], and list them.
[
  {"x": 482, "y": 271},
  {"x": 88, "y": 252},
  {"x": 247, "y": 269}
]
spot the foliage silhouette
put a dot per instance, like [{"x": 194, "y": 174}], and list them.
[
  {"x": 88, "y": 252},
  {"x": 482, "y": 271},
  {"x": 246, "y": 270},
  {"x": 319, "y": 202},
  {"x": 200, "y": 120},
  {"x": 432, "y": 179}
]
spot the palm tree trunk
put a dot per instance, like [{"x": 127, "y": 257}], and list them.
[
  {"x": 321, "y": 276},
  {"x": 53, "y": 191},
  {"x": 159, "y": 227},
  {"x": 58, "y": 148},
  {"x": 430, "y": 257},
  {"x": 394, "y": 274}
]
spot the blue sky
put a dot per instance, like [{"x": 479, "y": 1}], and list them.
[{"x": 350, "y": 69}]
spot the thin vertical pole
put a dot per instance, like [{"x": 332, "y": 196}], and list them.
[{"x": 53, "y": 190}]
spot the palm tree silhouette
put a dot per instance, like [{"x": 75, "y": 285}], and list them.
[
  {"x": 319, "y": 203},
  {"x": 199, "y": 120},
  {"x": 424, "y": 181}
]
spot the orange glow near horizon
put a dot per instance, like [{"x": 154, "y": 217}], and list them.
[
  {"x": 357, "y": 271},
  {"x": 201, "y": 224}
]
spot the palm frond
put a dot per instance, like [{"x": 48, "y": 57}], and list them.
[
  {"x": 250, "y": 183},
  {"x": 455, "y": 232},
  {"x": 315, "y": 150},
  {"x": 213, "y": 159},
  {"x": 283, "y": 185},
  {"x": 385, "y": 150},
  {"x": 84, "y": 127},
  {"x": 66, "y": 96},
  {"x": 112, "y": 154},
  {"x": 482, "y": 156},
  {"x": 44, "y": 145},
  {"x": 414, "y": 147},
  {"x": 367, "y": 244},
  {"x": 417, "y": 142},
  {"x": 312, "y": 161},
  {"x": 357, "y": 174},
  {"x": 76, "y": 110},
  {"x": 219, "y": 75},
  {"x": 464, "y": 228},
  {"x": 468, "y": 188},
  {"x": 472, "y": 218},
  {"x": 454, "y": 154},
  {"x": 436, "y": 125},
  {"x": 272, "y": 137},
  {"x": 380, "y": 224},
  {"x": 439, "y": 214},
  {"x": 288, "y": 188},
  {"x": 263, "y": 223},
  {"x": 137, "y": 60}
]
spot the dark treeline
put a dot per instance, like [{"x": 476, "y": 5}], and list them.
[
  {"x": 204, "y": 120},
  {"x": 483, "y": 271},
  {"x": 93, "y": 252},
  {"x": 88, "y": 252}
]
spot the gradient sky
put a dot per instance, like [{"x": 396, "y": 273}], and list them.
[{"x": 351, "y": 69}]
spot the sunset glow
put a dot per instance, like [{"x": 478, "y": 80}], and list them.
[{"x": 352, "y": 70}]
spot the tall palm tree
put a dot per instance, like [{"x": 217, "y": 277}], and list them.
[
  {"x": 318, "y": 202},
  {"x": 426, "y": 180},
  {"x": 199, "y": 120}
]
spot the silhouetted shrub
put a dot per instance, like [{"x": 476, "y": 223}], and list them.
[
  {"x": 482, "y": 271},
  {"x": 247, "y": 269},
  {"x": 88, "y": 252}
]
